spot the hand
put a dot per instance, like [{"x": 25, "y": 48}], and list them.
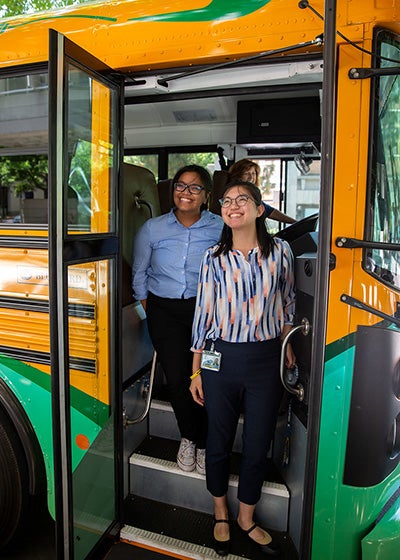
[
  {"x": 290, "y": 357},
  {"x": 196, "y": 388}
]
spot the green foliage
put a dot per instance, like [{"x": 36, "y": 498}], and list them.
[
  {"x": 19, "y": 7},
  {"x": 175, "y": 161},
  {"x": 24, "y": 173}
]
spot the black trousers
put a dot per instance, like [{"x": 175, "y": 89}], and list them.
[
  {"x": 170, "y": 328},
  {"x": 248, "y": 381}
]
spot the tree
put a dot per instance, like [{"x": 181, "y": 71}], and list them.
[
  {"x": 19, "y": 7},
  {"x": 24, "y": 174}
]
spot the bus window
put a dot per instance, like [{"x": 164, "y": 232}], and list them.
[
  {"x": 291, "y": 187},
  {"x": 303, "y": 188},
  {"x": 23, "y": 125},
  {"x": 178, "y": 160},
  {"x": 149, "y": 161},
  {"x": 23, "y": 189},
  {"x": 385, "y": 173}
]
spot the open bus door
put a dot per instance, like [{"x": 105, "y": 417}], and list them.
[{"x": 84, "y": 154}]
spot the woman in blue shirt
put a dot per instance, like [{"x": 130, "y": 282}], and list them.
[
  {"x": 167, "y": 254},
  {"x": 245, "y": 305}
]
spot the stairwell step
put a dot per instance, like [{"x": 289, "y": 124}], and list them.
[
  {"x": 165, "y": 544},
  {"x": 162, "y": 423},
  {"x": 162, "y": 480}
]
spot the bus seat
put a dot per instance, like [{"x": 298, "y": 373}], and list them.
[
  {"x": 220, "y": 179},
  {"x": 139, "y": 203},
  {"x": 165, "y": 195}
]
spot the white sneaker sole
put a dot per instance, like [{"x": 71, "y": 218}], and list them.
[{"x": 186, "y": 468}]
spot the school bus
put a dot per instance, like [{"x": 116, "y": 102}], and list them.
[{"x": 99, "y": 105}]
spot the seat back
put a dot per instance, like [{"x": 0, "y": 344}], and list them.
[
  {"x": 139, "y": 203},
  {"x": 165, "y": 195},
  {"x": 220, "y": 180}
]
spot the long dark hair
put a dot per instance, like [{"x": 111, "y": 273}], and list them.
[
  {"x": 204, "y": 176},
  {"x": 265, "y": 240}
]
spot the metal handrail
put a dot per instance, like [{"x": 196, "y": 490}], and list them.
[
  {"x": 305, "y": 328},
  {"x": 130, "y": 421}
]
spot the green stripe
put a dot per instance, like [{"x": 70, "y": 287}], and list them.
[
  {"x": 339, "y": 346},
  {"x": 6, "y": 26},
  {"x": 90, "y": 407},
  {"x": 217, "y": 10}
]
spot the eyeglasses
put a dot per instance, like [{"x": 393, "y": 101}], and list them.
[
  {"x": 240, "y": 200},
  {"x": 193, "y": 188}
]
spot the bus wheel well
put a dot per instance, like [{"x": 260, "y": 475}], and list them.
[
  {"x": 13, "y": 482},
  {"x": 16, "y": 419}
]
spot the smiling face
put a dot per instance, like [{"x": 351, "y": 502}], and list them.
[
  {"x": 185, "y": 201},
  {"x": 250, "y": 175},
  {"x": 240, "y": 216}
]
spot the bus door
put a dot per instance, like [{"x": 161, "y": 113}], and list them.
[{"x": 84, "y": 153}]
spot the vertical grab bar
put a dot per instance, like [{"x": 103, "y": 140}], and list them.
[
  {"x": 305, "y": 328},
  {"x": 129, "y": 421}
]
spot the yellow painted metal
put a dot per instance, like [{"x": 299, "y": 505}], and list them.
[
  {"x": 23, "y": 279},
  {"x": 130, "y": 34},
  {"x": 114, "y": 32},
  {"x": 350, "y": 190}
]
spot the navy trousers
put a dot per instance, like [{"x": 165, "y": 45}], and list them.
[
  {"x": 170, "y": 327},
  {"x": 248, "y": 381}
]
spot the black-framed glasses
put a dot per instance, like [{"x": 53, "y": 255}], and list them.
[
  {"x": 192, "y": 188},
  {"x": 240, "y": 200}
]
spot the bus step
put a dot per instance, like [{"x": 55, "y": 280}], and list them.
[
  {"x": 154, "y": 474},
  {"x": 184, "y": 533},
  {"x": 162, "y": 423}
]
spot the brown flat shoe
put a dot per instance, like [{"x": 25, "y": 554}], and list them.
[
  {"x": 272, "y": 548},
  {"x": 221, "y": 547}
]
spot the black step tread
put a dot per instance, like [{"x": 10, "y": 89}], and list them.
[
  {"x": 167, "y": 449},
  {"x": 194, "y": 527}
]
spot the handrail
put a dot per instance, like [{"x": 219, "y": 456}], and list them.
[
  {"x": 130, "y": 421},
  {"x": 305, "y": 328}
]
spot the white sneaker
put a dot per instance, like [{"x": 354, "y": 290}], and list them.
[
  {"x": 186, "y": 457},
  {"x": 201, "y": 461}
]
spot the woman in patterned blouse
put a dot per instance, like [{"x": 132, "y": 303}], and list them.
[{"x": 245, "y": 306}]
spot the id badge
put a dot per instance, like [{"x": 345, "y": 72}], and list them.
[{"x": 211, "y": 359}]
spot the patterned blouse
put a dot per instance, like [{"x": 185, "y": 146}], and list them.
[{"x": 240, "y": 300}]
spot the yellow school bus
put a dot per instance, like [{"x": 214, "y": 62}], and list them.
[{"x": 100, "y": 103}]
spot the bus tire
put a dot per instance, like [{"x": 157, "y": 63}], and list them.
[{"x": 14, "y": 495}]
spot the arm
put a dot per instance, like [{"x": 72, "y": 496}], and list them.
[
  {"x": 142, "y": 252},
  {"x": 288, "y": 297},
  {"x": 202, "y": 319},
  {"x": 196, "y": 385},
  {"x": 280, "y": 217},
  {"x": 204, "y": 310}
]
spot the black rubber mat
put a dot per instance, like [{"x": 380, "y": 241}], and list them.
[{"x": 194, "y": 527}]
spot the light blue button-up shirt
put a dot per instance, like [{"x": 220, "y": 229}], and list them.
[{"x": 167, "y": 255}]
